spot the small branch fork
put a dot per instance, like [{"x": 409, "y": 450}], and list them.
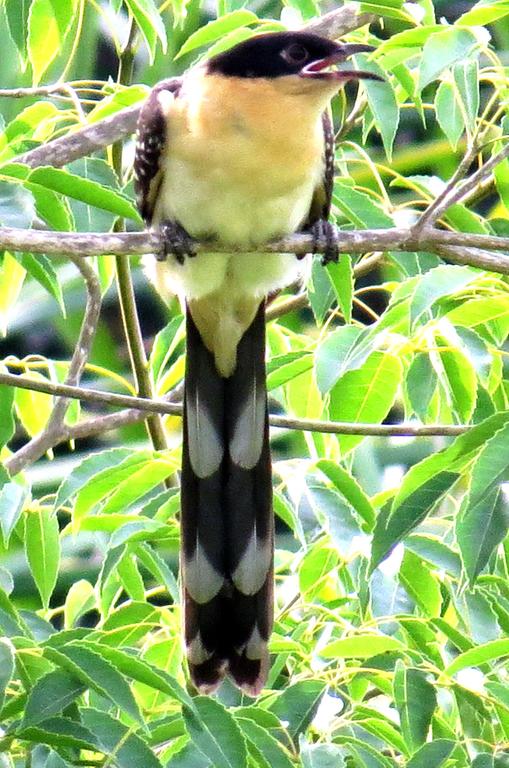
[{"x": 482, "y": 251}]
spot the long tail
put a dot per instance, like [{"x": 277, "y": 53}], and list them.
[{"x": 226, "y": 514}]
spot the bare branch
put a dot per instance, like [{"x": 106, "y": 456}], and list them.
[
  {"x": 353, "y": 241},
  {"x": 81, "y": 143},
  {"x": 54, "y": 432},
  {"x": 454, "y": 192},
  {"x": 285, "y": 422},
  {"x": 340, "y": 22}
]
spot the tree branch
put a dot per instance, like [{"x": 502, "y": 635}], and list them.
[
  {"x": 350, "y": 241},
  {"x": 286, "y": 422},
  {"x": 55, "y": 428},
  {"x": 340, "y": 22},
  {"x": 454, "y": 192}
]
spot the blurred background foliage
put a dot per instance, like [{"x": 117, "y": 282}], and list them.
[{"x": 376, "y": 662}]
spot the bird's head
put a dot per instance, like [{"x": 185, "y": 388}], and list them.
[{"x": 304, "y": 60}]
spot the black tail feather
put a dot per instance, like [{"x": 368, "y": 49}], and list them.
[{"x": 227, "y": 522}]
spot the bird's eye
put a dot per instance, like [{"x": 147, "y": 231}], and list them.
[{"x": 295, "y": 54}]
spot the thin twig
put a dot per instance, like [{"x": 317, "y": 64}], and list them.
[
  {"x": 286, "y": 422},
  {"x": 127, "y": 299},
  {"x": 455, "y": 193},
  {"x": 55, "y": 428}
]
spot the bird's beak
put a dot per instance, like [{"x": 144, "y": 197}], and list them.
[{"x": 320, "y": 69}]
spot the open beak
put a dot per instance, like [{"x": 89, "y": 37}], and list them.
[{"x": 321, "y": 69}]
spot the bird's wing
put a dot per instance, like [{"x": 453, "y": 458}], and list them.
[
  {"x": 151, "y": 137},
  {"x": 322, "y": 197}
]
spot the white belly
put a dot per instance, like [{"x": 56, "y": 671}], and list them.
[{"x": 222, "y": 205}]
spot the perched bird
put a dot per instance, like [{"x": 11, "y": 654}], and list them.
[{"x": 240, "y": 150}]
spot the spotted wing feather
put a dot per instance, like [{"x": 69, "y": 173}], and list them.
[
  {"x": 322, "y": 198},
  {"x": 151, "y": 136}
]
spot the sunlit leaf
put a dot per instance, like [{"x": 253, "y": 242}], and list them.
[
  {"x": 415, "y": 700},
  {"x": 49, "y": 22},
  {"x": 42, "y": 546},
  {"x": 443, "y": 49}
]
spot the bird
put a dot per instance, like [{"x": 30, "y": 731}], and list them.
[{"x": 238, "y": 151}]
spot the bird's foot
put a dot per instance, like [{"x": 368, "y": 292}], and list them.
[
  {"x": 176, "y": 241},
  {"x": 323, "y": 230}
]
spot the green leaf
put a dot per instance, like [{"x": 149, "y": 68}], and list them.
[
  {"x": 457, "y": 375},
  {"x": 322, "y": 756},
  {"x": 150, "y": 23},
  {"x": 140, "y": 670},
  {"x": 448, "y": 112},
  {"x": 217, "y": 29},
  {"x": 140, "y": 481},
  {"x": 115, "y": 740},
  {"x": 33, "y": 408},
  {"x": 445, "y": 280},
  {"x": 466, "y": 77},
  {"x": 12, "y": 500},
  {"x": 164, "y": 345},
  {"x": 318, "y": 561},
  {"x": 86, "y": 470},
  {"x": 298, "y": 704},
  {"x": 394, "y": 524},
  {"x": 484, "y": 13},
  {"x": 481, "y": 654},
  {"x": 382, "y": 102},
  {"x": 348, "y": 486},
  {"x": 97, "y": 673},
  {"x": 154, "y": 563},
  {"x": 89, "y": 218},
  {"x": 436, "y": 552},
  {"x": 79, "y": 600},
  {"x": 420, "y": 584},
  {"x": 111, "y": 483},
  {"x": 85, "y": 190},
  {"x": 432, "y": 755},
  {"x": 455, "y": 456},
  {"x": 443, "y": 49},
  {"x": 284, "y": 368},
  {"x": 51, "y": 695},
  {"x": 415, "y": 699},
  {"x": 49, "y": 22},
  {"x": 480, "y": 529},
  {"x": 41, "y": 269},
  {"x": 320, "y": 292},
  {"x": 420, "y": 384},
  {"x": 267, "y": 749},
  {"x": 6, "y": 666},
  {"x": 16, "y": 206},
  {"x": 216, "y": 734},
  {"x": 128, "y": 624},
  {"x": 7, "y": 425},
  {"x": 342, "y": 279},
  {"x": 361, "y": 646},
  {"x": 339, "y": 353},
  {"x": 189, "y": 757},
  {"x": 42, "y": 546},
  {"x": 16, "y": 12},
  {"x": 60, "y": 732},
  {"x": 366, "y": 394},
  {"x": 359, "y": 208},
  {"x": 491, "y": 466}
]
